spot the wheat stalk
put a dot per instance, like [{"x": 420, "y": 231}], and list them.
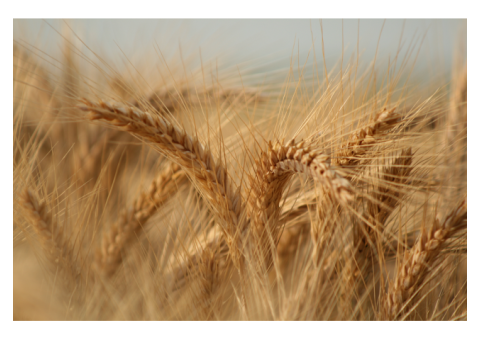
[
  {"x": 195, "y": 159},
  {"x": 90, "y": 158},
  {"x": 352, "y": 156}
]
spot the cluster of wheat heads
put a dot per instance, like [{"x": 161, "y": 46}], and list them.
[{"x": 193, "y": 198}]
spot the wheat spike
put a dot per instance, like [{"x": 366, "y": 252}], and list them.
[
  {"x": 58, "y": 250},
  {"x": 122, "y": 233},
  {"x": 420, "y": 260},
  {"x": 355, "y": 150}
]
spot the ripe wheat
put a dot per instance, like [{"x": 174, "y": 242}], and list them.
[{"x": 179, "y": 199}]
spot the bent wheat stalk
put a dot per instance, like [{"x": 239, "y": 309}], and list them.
[
  {"x": 197, "y": 160},
  {"x": 273, "y": 170}
]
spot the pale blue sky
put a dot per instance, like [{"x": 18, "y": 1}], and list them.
[{"x": 236, "y": 41}]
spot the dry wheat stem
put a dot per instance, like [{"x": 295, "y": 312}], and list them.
[
  {"x": 196, "y": 159},
  {"x": 419, "y": 261},
  {"x": 132, "y": 220}
]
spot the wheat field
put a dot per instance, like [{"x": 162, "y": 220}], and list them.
[{"x": 201, "y": 194}]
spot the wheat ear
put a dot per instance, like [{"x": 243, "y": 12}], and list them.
[
  {"x": 197, "y": 160},
  {"x": 58, "y": 250},
  {"x": 354, "y": 150},
  {"x": 122, "y": 233},
  {"x": 273, "y": 170},
  {"x": 418, "y": 262}
]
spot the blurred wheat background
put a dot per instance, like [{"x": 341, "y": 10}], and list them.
[{"x": 239, "y": 170}]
